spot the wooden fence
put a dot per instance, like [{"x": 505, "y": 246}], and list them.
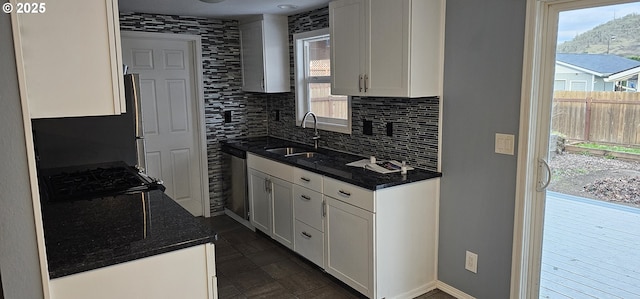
[
  {"x": 323, "y": 103},
  {"x": 604, "y": 117},
  {"x": 330, "y": 106}
]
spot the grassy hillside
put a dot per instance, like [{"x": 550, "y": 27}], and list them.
[{"x": 626, "y": 42}]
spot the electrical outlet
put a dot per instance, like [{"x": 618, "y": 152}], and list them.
[
  {"x": 471, "y": 262},
  {"x": 367, "y": 127},
  {"x": 227, "y": 117}
]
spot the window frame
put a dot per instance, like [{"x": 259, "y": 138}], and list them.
[{"x": 302, "y": 85}]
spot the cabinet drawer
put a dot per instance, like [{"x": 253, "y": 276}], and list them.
[
  {"x": 309, "y": 242},
  {"x": 308, "y": 179},
  {"x": 270, "y": 167},
  {"x": 350, "y": 194},
  {"x": 307, "y": 205}
]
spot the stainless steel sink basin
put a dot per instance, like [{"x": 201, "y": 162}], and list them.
[
  {"x": 285, "y": 151},
  {"x": 294, "y": 152},
  {"x": 303, "y": 155}
]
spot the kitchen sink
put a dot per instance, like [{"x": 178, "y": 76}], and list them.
[
  {"x": 294, "y": 152},
  {"x": 304, "y": 155},
  {"x": 286, "y": 151}
]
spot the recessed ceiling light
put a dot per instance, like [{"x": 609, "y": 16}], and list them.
[
  {"x": 287, "y": 6},
  {"x": 211, "y": 1}
]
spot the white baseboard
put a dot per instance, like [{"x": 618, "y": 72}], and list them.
[
  {"x": 417, "y": 292},
  {"x": 239, "y": 219},
  {"x": 453, "y": 291}
]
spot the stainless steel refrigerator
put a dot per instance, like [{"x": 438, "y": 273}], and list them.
[{"x": 73, "y": 141}]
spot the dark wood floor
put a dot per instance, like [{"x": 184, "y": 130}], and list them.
[{"x": 250, "y": 265}]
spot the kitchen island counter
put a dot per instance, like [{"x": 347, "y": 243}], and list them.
[
  {"x": 84, "y": 235},
  {"x": 330, "y": 163}
]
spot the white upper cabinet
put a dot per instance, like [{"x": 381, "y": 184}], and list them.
[
  {"x": 387, "y": 48},
  {"x": 69, "y": 58},
  {"x": 265, "y": 54}
]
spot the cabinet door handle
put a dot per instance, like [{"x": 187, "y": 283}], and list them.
[
  {"x": 305, "y": 197},
  {"x": 324, "y": 207},
  {"x": 345, "y": 193},
  {"x": 267, "y": 185},
  {"x": 306, "y": 235},
  {"x": 262, "y": 84},
  {"x": 360, "y": 83},
  {"x": 305, "y": 179},
  {"x": 366, "y": 80}
]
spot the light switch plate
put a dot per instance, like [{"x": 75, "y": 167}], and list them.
[
  {"x": 505, "y": 144},
  {"x": 471, "y": 262}
]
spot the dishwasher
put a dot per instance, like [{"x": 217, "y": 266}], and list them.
[{"x": 235, "y": 163}]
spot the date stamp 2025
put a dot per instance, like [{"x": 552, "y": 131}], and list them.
[{"x": 25, "y": 7}]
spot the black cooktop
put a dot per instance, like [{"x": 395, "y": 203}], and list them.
[{"x": 93, "y": 181}]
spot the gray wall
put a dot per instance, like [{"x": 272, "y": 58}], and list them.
[
  {"x": 483, "y": 49},
  {"x": 18, "y": 249}
]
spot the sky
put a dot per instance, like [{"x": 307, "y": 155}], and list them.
[{"x": 575, "y": 22}]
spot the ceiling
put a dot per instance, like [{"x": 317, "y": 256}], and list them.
[{"x": 228, "y": 9}]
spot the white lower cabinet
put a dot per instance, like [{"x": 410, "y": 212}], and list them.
[
  {"x": 185, "y": 273},
  {"x": 260, "y": 200},
  {"x": 271, "y": 198},
  {"x": 350, "y": 244},
  {"x": 282, "y": 211},
  {"x": 309, "y": 211},
  {"x": 309, "y": 207},
  {"x": 382, "y": 243},
  {"x": 309, "y": 242}
]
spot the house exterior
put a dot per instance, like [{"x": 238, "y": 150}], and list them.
[{"x": 595, "y": 72}]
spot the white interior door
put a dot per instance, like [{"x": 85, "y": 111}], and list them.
[{"x": 168, "y": 97}]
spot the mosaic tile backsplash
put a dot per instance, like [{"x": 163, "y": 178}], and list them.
[{"x": 415, "y": 121}]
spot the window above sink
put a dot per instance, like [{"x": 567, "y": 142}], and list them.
[{"x": 313, "y": 83}]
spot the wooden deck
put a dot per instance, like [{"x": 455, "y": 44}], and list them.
[{"x": 591, "y": 249}]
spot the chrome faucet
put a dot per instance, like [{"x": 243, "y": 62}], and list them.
[{"x": 316, "y": 136}]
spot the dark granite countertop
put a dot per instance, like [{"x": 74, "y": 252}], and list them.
[
  {"x": 330, "y": 163},
  {"x": 89, "y": 234}
]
